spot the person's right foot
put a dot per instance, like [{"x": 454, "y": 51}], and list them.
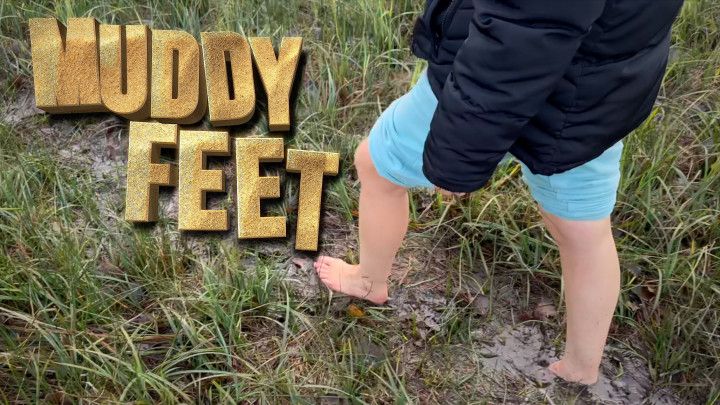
[
  {"x": 348, "y": 279},
  {"x": 567, "y": 372}
]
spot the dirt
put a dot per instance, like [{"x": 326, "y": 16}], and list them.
[
  {"x": 519, "y": 351},
  {"x": 525, "y": 350},
  {"x": 21, "y": 108}
]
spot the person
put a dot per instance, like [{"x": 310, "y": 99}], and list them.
[{"x": 555, "y": 83}]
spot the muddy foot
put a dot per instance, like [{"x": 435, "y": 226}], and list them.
[
  {"x": 570, "y": 373},
  {"x": 347, "y": 279}
]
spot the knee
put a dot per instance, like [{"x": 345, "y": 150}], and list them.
[
  {"x": 368, "y": 175},
  {"x": 363, "y": 163},
  {"x": 570, "y": 234}
]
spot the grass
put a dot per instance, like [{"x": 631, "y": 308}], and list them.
[{"x": 94, "y": 309}]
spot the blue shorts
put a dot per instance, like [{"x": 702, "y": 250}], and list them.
[{"x": 396, "y": 143}]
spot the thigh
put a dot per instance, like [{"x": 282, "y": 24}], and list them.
[
  {"x": 587, "y": 192},
  {"x": 397, "y": 139}
]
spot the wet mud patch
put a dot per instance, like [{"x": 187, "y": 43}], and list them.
[{"x": 525, "y": 350}]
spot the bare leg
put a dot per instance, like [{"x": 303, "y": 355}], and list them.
[
  {"x": 591, "y": 273},
  {"x": 383, "y": 225}
]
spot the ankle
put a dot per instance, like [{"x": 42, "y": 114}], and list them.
[
  {"x": 374, "y": 290},
  {"x": 580, "y": 366},
  {"x": 374, "y": 284},
  {"x": 376, "y": 278}
]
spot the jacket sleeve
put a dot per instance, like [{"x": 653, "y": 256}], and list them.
[{"x": 515, "y": 54}]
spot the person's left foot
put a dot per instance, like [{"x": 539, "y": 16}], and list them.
[{"x": 348, "y": 279}]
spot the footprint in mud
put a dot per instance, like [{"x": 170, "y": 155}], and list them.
[{"x": 524, "y": 352}]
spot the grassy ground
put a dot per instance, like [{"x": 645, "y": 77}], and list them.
[{"x": 94, "y": 309}]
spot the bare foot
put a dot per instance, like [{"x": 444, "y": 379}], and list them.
[
  {"x": 347, "y": 279},
  {"x": 563, "y": 369}
]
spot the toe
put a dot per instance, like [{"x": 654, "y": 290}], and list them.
[
  {"x": 324, "y": 275},
  {"x": 323, "y": 261}
]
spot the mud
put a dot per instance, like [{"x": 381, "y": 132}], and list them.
[
  {"x": 520, "y": 352},
  {"x": 21, "y": 108},
  {"x": 524, "y": 351}
]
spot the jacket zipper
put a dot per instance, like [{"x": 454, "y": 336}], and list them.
[{"x": 444, "y": 17}]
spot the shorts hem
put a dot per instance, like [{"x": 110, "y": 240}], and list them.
[
  {"x": 591, "y": 216},
  {"x": 379, "y": 168}
]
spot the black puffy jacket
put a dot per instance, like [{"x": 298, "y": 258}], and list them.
[{"x": 554, "y": 82}]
